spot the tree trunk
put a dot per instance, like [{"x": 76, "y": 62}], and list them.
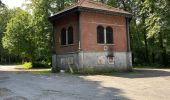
[
  {"x": 145, "y": 40},
  {"x": 163, "y": 50},
  {"x": 153, "y": 58}
]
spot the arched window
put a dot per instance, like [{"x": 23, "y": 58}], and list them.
[
  {"x": 70, "y": 35},
  {"x": 109, "y": 35},
  {"x": 63, "y": 36},
  {"x": 100, "y": 34}
]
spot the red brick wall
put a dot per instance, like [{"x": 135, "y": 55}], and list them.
[
  {"x": 65, "y": 22},
  {"x": 89, "y": 23}
]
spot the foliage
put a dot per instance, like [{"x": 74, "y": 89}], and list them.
[
  {"x": 40, "y": 65},
  {"x": 18, "y": 37},
  {"x": 35, "y": 65},
  {"x": 5, "y": 16},
  {"x": 28, "y": 33},
  {"x": 26, "y": 65}
]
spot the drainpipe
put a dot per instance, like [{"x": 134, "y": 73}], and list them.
[
  {"x": 54, "y": 57},
  {"x": 80, "y": 54},
  {"x": 79, "y": 31},
  {"x": 128, "y": 34},
  {"x": 129, "y": 56}
]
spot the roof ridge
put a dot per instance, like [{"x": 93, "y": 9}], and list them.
[
  {"x": 97, "y": 2},
  {"x": 91, "y": 4},
  {"x": 80, "y": 2}
]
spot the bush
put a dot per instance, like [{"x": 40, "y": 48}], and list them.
[
  {"x": 26, "y": 65},
  {"x": 40, "y": 65},
  {"x": 29, "y": 65}
]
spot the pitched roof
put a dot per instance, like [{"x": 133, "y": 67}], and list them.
[{"x": 95, "y": 6}]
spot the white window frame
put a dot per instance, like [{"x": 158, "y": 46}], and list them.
[
  {"x": 105, "y": 38},
  {"x": 66, "y": 39},
  {"x": 66, "y": 36}
]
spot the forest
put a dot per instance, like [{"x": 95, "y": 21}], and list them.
[{"x": 26, "y": 34}]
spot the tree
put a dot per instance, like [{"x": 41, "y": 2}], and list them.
[
  {"x": 156, "y": 23},
  {"x": 1, "y": 2},
  {"x": 41, "y": 27},
  {"x": 18, "y": 37},
  {"x": 149, "y": 29}
]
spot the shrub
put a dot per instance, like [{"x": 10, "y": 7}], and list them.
[
  {"x": 29, "y": 65},
  {"x": 26, "y": 65},
  {"x": 40, "y": 65}
]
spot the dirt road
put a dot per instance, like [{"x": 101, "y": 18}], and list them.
[{"x": 143, "y": 84}]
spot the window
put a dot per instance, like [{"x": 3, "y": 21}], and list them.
[
  {"x": 70, "y": 35},
  {"x": 63, "y": 36},
  {"x": 67, "y": 36},
  {"x": 104, "y": 36},
  {"x": 100, "y": 34},
  {"x": 109, "y": 35}
]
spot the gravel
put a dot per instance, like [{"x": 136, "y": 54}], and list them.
[{"x": 142, "y": 84}]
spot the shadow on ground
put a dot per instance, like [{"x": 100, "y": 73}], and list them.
[
  {"x": 60, "y": 86},
  {"x": 144, "y": 73}
]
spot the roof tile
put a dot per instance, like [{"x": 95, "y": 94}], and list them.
[{"x": 94, "y": 5}]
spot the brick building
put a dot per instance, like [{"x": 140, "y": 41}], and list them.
[{"x": 91, "y": 34}]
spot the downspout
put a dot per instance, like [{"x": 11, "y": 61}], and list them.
[
  {"x": 128, "y": 34},
  {"x": 53, "y": 40},
  {"x": 79, "y": 32},
  {"x": 80, "y": 54},
  {"x": 54, "y": 55},
  {"x": 129, "y": 55}
]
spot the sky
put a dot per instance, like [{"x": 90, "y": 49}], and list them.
[{"x": 13, "y": 3}]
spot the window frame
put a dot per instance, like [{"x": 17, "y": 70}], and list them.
[
  {"x": 67, "y": 36},
  {"x": 99, "y": 29},
  {"x": 63, "y": 42},
  {"x": 105, "y": 35}
]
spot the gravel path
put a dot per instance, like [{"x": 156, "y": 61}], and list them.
[
  {"x": 8, "y": 67},
  {"x": 143, "y": 84}
]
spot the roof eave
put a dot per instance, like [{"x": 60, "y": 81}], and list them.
[
  {"x": 85, "y": 9},
  {"x": 59, "y": 15}
]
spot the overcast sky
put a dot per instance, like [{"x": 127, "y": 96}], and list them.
[{"x": 13, "y": 3}]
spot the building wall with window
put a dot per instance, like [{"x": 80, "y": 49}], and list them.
[
  {"x": 68, "y": 44},
  {"x": 89, "y": 25},
  {"x": 80, "y": 40}
]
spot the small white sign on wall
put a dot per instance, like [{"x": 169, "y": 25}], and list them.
[
  {"x": 101, "y": 60},
  {"x": 105, "y": 48}
]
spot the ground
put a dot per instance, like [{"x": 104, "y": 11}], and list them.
[{"x": 142, "y": 84}]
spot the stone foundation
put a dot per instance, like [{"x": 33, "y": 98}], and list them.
[{"x": 116, "y": 60}]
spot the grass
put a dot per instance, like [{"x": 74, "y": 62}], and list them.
[
  {"x": 30, "y": 65},
  {"x": 94, "y": 71},
  {"x": 40, "y": 72},
  {"x": 34, "y": 71},
  {"x": 138, "y": 66},
  {"x": 27, "y": 67}
]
